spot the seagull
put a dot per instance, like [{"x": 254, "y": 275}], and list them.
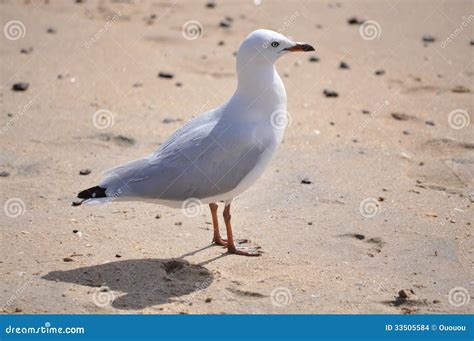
[{"x": 220, "y": 153}]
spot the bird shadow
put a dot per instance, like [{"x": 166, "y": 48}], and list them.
[{"x": 145, "y": 282}]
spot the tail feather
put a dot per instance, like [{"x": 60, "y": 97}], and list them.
[{"x": 92, "y": 193}]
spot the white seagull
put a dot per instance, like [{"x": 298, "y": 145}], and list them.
[{"x": 220, "y": 153}]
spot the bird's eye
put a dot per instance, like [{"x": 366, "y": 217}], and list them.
[{"x": 275, "y": 44}]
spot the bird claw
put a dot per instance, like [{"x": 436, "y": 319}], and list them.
[{"x": 223, "y": 242}]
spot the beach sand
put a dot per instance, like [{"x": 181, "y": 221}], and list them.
[{"x": 382, "y": 223}]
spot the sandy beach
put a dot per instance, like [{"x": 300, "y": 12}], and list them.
[{"x": 367, "y": 206}]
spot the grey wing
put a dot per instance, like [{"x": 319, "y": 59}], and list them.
[{"x": 201, "y": 161}]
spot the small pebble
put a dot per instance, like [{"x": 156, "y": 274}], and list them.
[
  {"x": 460, "y": 89},
  {"x": 167, "y": 75},
  {"x": 208, "y": 300},
  {"x": 26, "y": 51},
  {"x": 225, "y": 23},
  {"x": 51, "y": 30},
  {"x": 211, "y": 4},
  {"x": 379, "y": 72},
  {"x": 76, "y": 203},
  {"x": 344, "y": 65},
  {"x": 306, "y": 181},
  {"x": 168, "y": 120},
  {"x": 400, "y": 116},
  {"x": 406, "y": 132},
  {"x": 355, "y": 21},
  {"x": 403, "y": 294},
  {"x": 429, "y": 122},
  {"x": 68, "y": 259},
  {"x": 178, "y": 223},
  {"x": 22, "y": 86},
  {"x": 220, "y": 43},
  {"x": 365, "y": 111},
  {"x": 4, "y": 174},
  {"x": 158, "y": 216},
  {"x": 118, "y": 256},
  {"x": 428, "y": 38},
  {"x": 313, "y": 59},
  {"x": 330, "y": 93},
  {"x": 85, "y": 171},
  {"x": 178, "y": 84},
  {"x": 75, "y": 231}
]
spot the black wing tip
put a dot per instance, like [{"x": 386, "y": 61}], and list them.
[{"x": 92, "y": 193}]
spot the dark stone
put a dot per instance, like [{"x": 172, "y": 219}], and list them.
[
  {"x": 313, "y": 59},
  {"x": 22, "y": 86},
  {"x": 306, "y": 181},
  {"x": 380, "y": 72},
  {"x": 400, "y": 116},
  {"x": 85, "y": 171},
  {"x": 164, "y": 74},
  {"x": 168, "y": 120},
  {"x": 225, "y": 23},
  {"x": 330, "y": 93},
  {"x": 4, "y": 174},
  {"x": 428, "y": 38},
  {"x": 26, "y": 51},
  {"x": 211, "y": 4},
  {"x": 355, "y": 21},
  {"x": 343, "y": 65}
]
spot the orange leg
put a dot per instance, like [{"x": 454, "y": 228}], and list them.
[
  {"x": 215, "y": 223},
  {"x": 231, "y": 248}
]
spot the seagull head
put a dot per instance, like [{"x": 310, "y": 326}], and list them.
[{"x": 266, "y": 46}]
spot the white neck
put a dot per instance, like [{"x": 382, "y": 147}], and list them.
[{"x": 260, "y": 89}]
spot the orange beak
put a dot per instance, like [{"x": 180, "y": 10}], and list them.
[{"x": 300, "y": 47}]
